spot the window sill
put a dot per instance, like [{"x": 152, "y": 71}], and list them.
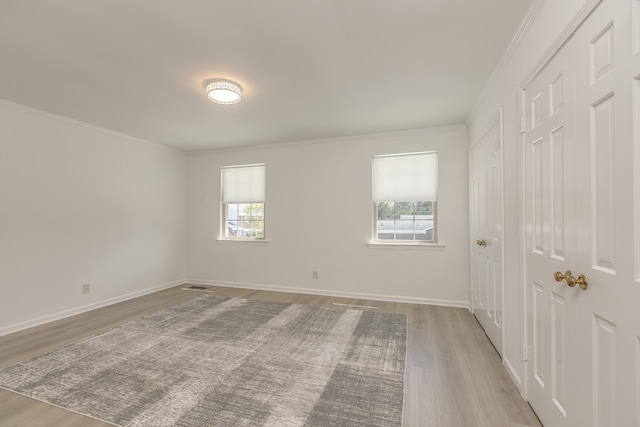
[
  {"x": 242, "y": 241},
  {"x": 405, "y": 245}
]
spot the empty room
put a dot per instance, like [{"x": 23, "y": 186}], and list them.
[{"x": 333, "y": 213}]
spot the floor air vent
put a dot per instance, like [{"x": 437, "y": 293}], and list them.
[{"x": 198, "y": 288}]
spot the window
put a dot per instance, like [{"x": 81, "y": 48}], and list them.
[
  {"x": 243, "y": 197},
  {"x": 404, "y": 197}
]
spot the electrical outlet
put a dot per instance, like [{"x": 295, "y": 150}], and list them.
[
  {"x": 314, "y": 275},
  {"x": 86, "y": 288}
]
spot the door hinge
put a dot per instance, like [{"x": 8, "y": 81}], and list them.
[
  {"x": 525, "y": 353},
  {"x": 496, "y": 143},
  {"x": 523, "y": 125}
]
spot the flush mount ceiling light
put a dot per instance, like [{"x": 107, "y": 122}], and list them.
[{"x": 223, "y": 91}]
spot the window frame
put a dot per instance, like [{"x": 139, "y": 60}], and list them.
[
  {"x": 225, "y": 221},
  {"x": 434, "y": 240},
  {"x": 405, "y": 242},
  {"x": 224, "y": 229}
]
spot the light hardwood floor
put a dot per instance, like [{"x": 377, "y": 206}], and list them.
[{"x": 454, "y": 376}]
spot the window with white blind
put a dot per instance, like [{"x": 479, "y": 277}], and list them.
[
  {"x": 405, "y": 190},
  {"x": 243, "y": 198}
]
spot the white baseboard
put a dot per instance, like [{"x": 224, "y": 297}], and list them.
[
  {"x": 331, "y": 293},
  {"x": 375, "y": 297},
  {"x": 67, "y": 313},
  {"x": 513, "y": 374}
]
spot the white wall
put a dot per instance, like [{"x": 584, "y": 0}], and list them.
[
  {"x": 83, "y": 205},
  {"x": 550, "y": 22},
  {"x": 319, "y": 217}
]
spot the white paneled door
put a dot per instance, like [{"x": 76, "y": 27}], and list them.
[
  {"x": 581, "y": 150},
  {"x": 486, "y": 231},
  {"x": 551, "y": 245}
]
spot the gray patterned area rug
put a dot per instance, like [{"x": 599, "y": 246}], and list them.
[{"x": 217, "y": 361}]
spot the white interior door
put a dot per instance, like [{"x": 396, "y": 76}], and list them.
[
  {"x": 609, "y": 312},
  {"x": 582, "y": 197},
  {"x": 551, "y": 245},
  {"x": 486, "y": 232}
]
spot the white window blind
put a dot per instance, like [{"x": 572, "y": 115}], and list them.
[
  {"x": 243, "y": 184},
  {"x": 405, "y": 177}
]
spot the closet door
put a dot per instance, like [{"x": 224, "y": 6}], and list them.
[
  {"x": 551, "y": 239},
  {"x": 608, "y": 197},
  {"x": 486, "y": 232},
  {"x": 583, "y": 236}
]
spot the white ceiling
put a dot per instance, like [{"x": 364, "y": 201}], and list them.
[{"x": 310, "y": 69}]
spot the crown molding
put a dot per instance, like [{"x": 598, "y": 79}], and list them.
[
  {"x": 507, "y": 55},
  {"x": 337, "y": 139},
  {"x": 86, "y": 125}
]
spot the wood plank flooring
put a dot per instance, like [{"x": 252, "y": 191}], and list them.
[{"x": 454, "y": 375}]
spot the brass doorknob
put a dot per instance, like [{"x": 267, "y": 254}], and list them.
[
  {"x": 568, "y": 276},
  {"x": 582, "y": 282},
  {"x": 481, "y": 243},
  {"x": 572, "y": 281}
]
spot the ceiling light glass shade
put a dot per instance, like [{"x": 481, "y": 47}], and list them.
[{"x": 223, "y": 92}]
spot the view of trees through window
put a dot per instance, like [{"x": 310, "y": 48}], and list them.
[
  {"x": 405, "y": 221},
  {"x": 244, "y": 220}
]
